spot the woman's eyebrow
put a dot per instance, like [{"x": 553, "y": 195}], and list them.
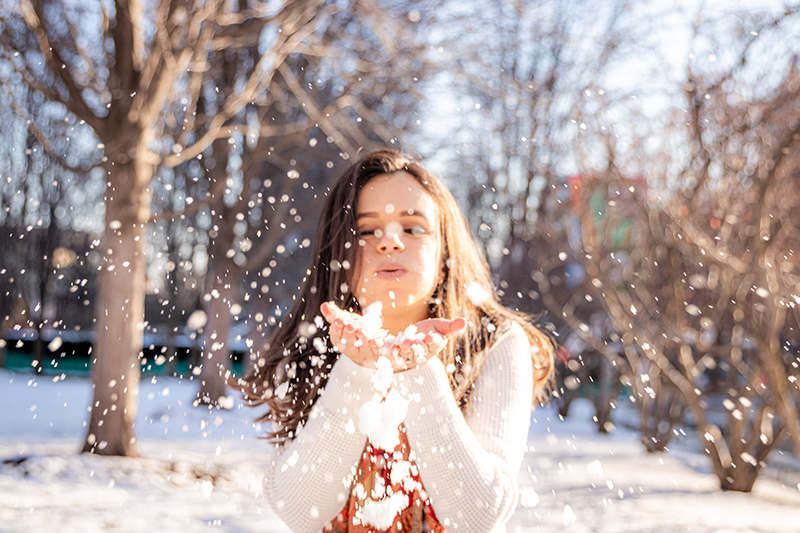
[{"x": 408, "y": 213}]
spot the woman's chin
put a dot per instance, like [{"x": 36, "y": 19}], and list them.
[
  {"x": 394, "y": 302},
  {"x": 389, "y": 302}
]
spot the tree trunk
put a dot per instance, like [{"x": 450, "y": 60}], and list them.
[
  {"x": 47, "y": 245},
  {"x": 172, "y": 359},
  {"x": 222, "y": 275},
  {"x": 5, "y": 300},
  {"x": 608, "y": 388},
  {"x": 563, "y": 400},
  {"x": 120, "y": 312},
  {"x": 662, "y": 406},
  {"x": 752, "y": 435},
  {"x": 783, "y": 398},
  {"x": 216, "y": 356}
]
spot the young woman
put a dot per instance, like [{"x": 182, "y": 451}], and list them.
[{"x": 399, "y": 388}]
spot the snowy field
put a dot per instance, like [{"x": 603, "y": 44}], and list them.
[{"x": 202, "y": 470}]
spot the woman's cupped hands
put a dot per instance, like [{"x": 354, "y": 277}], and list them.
[{"x": 363, "y": 340}]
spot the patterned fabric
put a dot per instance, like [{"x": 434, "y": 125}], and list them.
[{"x": 387, "y": 495}]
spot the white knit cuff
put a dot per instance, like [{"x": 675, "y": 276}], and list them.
[{"x": 349, "y": 387}]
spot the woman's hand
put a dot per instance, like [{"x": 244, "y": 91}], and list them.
[
  {"x": 364, "y": 345},
  {"x": 409, "y": 353},
  {"x": 347, "y": 337}
]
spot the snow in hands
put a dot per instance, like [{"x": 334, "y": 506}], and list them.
[{"x": 404, "y": 350}]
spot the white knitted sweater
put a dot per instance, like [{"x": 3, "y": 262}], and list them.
[{"x": 468, "y": 464}]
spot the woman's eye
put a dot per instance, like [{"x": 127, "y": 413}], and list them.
[
  {"x": 370, "y": 233},
  {"x": 416, "y": 231}
]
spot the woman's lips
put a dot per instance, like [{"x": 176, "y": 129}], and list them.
[{"x": 390, "y": 271}]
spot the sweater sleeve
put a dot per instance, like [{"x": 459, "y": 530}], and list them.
[
  {"x": 308, "y": 481},
  {"x": 469, "y": 466}
]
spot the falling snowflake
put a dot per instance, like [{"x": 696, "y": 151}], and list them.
[
  {"x": 477, "y": 293},
  {"x": 280, "y": 392},
  {"x": 528, "y": 497},
  {"x": 197, "y": 319}
]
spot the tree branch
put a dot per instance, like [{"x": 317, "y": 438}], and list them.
[
  {"x": 33, "y": 15},
  {"x": 310, "y": 109},
  {"x": 260, "y": 78},
  {"x": 38, "y": 134}
]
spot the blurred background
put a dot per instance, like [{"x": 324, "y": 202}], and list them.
[{"x": 632, "y": 169}]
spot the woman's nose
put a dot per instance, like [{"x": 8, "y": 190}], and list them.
[{"x": 391, "y": 240}]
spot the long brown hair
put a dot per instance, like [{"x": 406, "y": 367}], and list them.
[{"x": 300, "y": 350}]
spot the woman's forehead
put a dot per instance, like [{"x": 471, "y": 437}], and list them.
[{"x": 397, "y": 194}]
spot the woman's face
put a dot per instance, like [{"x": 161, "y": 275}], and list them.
[{"x": 398, "y": 260}]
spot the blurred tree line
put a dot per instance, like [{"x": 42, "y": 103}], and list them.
[
  {"x": 654, "y": 222},
  {"x": 164, "y": 161}
]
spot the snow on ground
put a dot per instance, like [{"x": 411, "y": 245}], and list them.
[
  {"x": 587, "y": 482},
  {"x": 202, "y": 470}
]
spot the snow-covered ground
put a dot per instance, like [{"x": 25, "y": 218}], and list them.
[{"x": 202, "y": 470}]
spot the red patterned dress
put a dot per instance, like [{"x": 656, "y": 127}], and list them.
[{"x": 386, "y": 495}]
